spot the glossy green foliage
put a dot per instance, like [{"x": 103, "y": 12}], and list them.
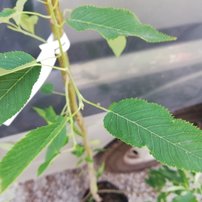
[
  {"x": 25, "y": 151},
  {"x": 171, "y": 141},
  {"x": 112, "y": 23}
]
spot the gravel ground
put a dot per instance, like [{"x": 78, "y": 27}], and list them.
[{"x": 70, "y": 185}]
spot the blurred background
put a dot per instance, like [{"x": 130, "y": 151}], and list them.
[{"x": 166, "y": 73}]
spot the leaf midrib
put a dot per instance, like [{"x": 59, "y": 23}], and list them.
[
  {"x": 21, "y": 67},
  {"x": 58, "y": 129},
  {"x": 99, "y": 25},
  {"x": 149, "y": 131},
  {"x": 17, "y": 81}
]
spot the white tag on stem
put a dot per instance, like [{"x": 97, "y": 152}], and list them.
[{"x": 47, "y": 58}]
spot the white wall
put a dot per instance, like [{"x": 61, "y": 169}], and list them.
[{"x": 159, "y": 13}]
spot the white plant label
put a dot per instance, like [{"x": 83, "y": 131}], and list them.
[{"x": 47, "y": 58}]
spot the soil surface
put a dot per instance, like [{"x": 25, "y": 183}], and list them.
[
  {"x": 108, "y": 192},
  {"x": 70, "y": 186}
]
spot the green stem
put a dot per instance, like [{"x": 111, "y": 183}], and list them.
[
  {"x": 58, "y": 93},
  {"x": 95, "y": 105},
  {"x": 109, "y": 191},
  {"x": 57, "y": 29},
  {"x": 43, "y": 2},
  {"x": 36, "y": 14},
  {"x": 17, "y": 29},
  {"x": 70, "y": 113}
]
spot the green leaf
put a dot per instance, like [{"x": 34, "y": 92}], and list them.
[
  {"x": 57, "y": 144},
  {"x": 184, "y": 179},
  {"x": 162, "y": 197},
  {"x": 47, "y": 88},
  {"x": 100, "y": 170},
  {"x": 171, "y": 175},
  {"x": 15, "y": 90},
  {"x": 112, "y": 23},
  {"x": 48, "y": 114},
  {"x": 6, "y": 14},
  {"x": 188, "y": 197},
  {"x": 15, "y": 61},
  {"x": 117, "y": 45},
  {"x": 19, "y": 7},
  {"x": 171, "y": 141},
  {"x": 156, "y": 180},
  {"x": 28, "y": 22},
  {"x": 78, "y": 150},
  {"x": 44, "y": 166},
  {"x": 53, "y": 150},
  {"x": 25, "y": 151}
]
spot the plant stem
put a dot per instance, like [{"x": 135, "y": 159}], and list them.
[
  {"x": 106, "y": 191},
  {"x": 57, "y": 29},
  {"x": 36, "y": 14},
  {"x": 58, "y": 93},
  {"x": 98, "y": 106},
  {"x": 17, "y": 29}
]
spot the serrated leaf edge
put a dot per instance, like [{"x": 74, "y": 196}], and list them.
[
  {"x": 168, "y": 113},
  {"x": 61, "y": 126}
]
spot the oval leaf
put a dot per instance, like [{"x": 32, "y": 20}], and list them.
[
  {"x": 171, "y": 141},
  {"x": 111, "y": 23},
  {"x": 25, "y": 151}
]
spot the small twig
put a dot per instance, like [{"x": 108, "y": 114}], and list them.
[
  {"x": 17, "y": 29},
  {"x": 58, "y": 93},
  {"x": 43, "y": 2},
  {"x": 95, "y": 105},
  {"x": 36, "y": 14}
]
